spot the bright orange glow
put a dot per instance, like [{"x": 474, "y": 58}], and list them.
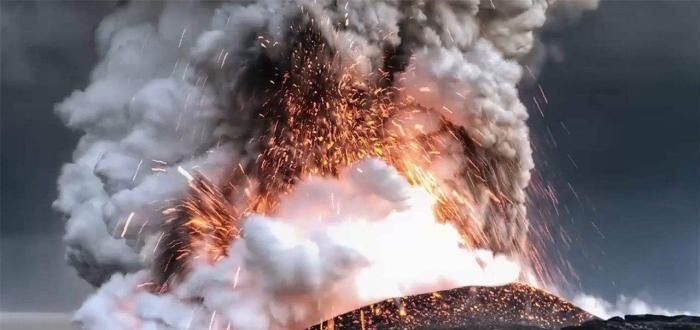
[{"x": 323, "y": 117}]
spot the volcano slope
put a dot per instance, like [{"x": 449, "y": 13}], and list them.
[
  {"x": 513, "y": 306},
  {"x": 641, "y": 322}
]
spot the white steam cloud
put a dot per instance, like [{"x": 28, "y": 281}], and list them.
[
  {"x": 623, "y": 305},
  {"x": 325, "y": 253},
  {"x": 175, "y": 88}
]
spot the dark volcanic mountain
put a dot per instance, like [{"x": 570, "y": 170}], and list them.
[
  {"x": 513, "y": 306},
  {"x": 642, "y": 322}
]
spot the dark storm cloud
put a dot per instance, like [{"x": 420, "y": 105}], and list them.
[
  {"x": 623, "y": 104},
  {"x": 46, "y": 53}
]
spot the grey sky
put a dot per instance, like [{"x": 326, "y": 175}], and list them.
[
  {"x": 626, "y": 91},
  {"x": 627, "y": 95},
  {"x": 47, "y": 52}
]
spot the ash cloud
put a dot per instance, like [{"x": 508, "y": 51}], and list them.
[
  {"x": 172, "y": 87},
  {"x": 179, "y": 83}
]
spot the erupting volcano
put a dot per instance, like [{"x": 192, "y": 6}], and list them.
[
  {"x": 323, "y": 119},
  {"x": 273, "y": 164}
]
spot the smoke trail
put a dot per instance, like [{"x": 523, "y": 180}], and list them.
[{"x": 217, "y": 88}]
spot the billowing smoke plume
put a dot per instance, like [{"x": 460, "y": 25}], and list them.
[
  {"x": 314, "y": 261},
  {"x": 237, "y": 92}
]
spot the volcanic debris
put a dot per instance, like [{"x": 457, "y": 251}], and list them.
[{"x": 513, "y": 306}]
